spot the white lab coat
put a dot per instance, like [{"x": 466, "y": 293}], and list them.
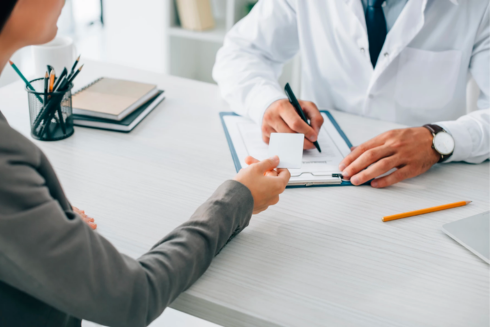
[{"x": 420, "y": 77}]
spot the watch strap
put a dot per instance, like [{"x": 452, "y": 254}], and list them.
[{"x": 434, "y": 129}]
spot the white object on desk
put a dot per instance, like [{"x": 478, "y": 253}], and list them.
[
  {"x": 473, "y": 233},
  {"x": 289, "y": 149},
  {"x": 320, "y": 257},
  {"x": 59, "y": 53},
  {"x": 317, "y": 168}
]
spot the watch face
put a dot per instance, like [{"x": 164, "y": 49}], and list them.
[{"x": 444, "y": 143}]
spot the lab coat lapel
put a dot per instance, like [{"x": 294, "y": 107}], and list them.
[
  {"x": 358, "y": 11},
  {"x": 407, "y": 26}
]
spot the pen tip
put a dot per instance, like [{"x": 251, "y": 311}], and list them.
[
  {"x": 79, "y": 57},
  {"x": 47, "y": 75},
  {"x": 468, "y": 202},
  {"x": 80, "y": 69}
]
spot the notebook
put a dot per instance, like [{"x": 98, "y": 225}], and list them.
[
  {"x": 125, "y": 125},
  {"x": 111, "y": 98},
  {"x": 318, "y": 169}
]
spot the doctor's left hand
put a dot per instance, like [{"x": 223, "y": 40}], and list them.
[{"x": 409, "y": 150}]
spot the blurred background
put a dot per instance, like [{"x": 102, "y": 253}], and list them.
[{"x": 148, "y": 34}]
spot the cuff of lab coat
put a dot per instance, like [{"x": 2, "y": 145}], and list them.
[
  {"x": 261, "y": 100},
  {"x": 462, "y": 140}
]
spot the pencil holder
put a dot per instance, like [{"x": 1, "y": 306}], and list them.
[{"x": 50, "y": 114}]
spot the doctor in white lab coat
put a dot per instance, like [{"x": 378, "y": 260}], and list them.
[{"x": 401, "y": 61}]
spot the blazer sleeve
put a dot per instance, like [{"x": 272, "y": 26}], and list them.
[{"x": 52, "y": 255}]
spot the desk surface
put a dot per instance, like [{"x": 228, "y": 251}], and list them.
[{"x": 321, "y": 257}]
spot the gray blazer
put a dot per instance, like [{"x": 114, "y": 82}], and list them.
[{"x": 54, "y": 270}]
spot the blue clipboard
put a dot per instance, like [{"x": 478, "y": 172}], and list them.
[{"x": 238, "y": 166}]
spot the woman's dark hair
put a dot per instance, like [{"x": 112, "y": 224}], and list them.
[{"x": 6, "y": 7}]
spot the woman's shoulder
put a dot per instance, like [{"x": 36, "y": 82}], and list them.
[
  {"x": 15, "y": 147},
  {"x": 27, "y": 179}
]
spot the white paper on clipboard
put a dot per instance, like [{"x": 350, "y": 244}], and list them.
[{"x": 318, "y": 168}]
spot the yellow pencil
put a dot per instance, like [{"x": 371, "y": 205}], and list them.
[
  {"x": 51, "y": 81},
  {"x": 422, "y": 211}
]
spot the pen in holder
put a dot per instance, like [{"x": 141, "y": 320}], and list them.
[{"x": 50, "y": 113}]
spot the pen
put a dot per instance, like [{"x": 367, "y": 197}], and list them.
[
  {"x": 44, "y": 117},
  {"x": 74, "y": 75},
  {"x": 58, "y": 109},
  {"x": 75, "y": 65},
  {"x": 58, "y": 81},
  {"x": 46, "y": 79},
  {"x": 24, "y": 79},
  {"x": 49, "y": 113},
  {"x": 60, "y": 84},
  {"x": 296, "y": 105},
  {"x": 45, "y": 113},
  {"x": 49, "y": 116},
  {"x": 46, "y": 109},
  {"x": 423, "y": 211}
]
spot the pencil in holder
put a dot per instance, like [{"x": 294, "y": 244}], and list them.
[{"x": 51, "y": 114}]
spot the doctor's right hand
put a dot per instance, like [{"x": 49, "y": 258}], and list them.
[
  {"x": 281, "y": 117},
  {"x": 264, "y": 181}
]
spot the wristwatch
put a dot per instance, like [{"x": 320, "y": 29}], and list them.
[{"x": 442, "y": 142}]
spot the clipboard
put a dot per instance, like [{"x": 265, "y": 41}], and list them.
[{"x": 238, "y": 166}]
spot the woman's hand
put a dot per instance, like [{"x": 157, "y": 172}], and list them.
[
  {"x": 264, "y": 181},
  {"x": 85, "y": 218}
]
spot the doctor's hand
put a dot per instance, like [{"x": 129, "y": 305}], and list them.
[
  {"x": 281, "y": 117},
  {"x": 264, "y": 181},
  {"x": 409, "y": 150}
]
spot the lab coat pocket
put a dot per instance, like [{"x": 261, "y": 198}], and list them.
[{"x": 426, "y": 79}]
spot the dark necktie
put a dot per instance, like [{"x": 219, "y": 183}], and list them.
[{"x": 376, "y": 28}]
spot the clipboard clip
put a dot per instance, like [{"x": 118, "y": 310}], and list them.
[
  {"x": 328, "y": 179},
  {"x": 318, "y": 174}
]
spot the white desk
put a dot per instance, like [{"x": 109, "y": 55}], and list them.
[{"x": 321, "y": 257}]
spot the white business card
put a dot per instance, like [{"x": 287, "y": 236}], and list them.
[{"x": 289, "y": 149}]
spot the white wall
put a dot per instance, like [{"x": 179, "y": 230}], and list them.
[{"x": 135, "y": 33}]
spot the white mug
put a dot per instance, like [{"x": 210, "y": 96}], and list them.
[{"x": 59, "y": 53}]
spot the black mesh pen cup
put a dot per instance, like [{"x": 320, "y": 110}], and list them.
[{"x": 50, "y": 114}]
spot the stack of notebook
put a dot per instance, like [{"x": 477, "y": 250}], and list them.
[{"x": 114, "y": 104}]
